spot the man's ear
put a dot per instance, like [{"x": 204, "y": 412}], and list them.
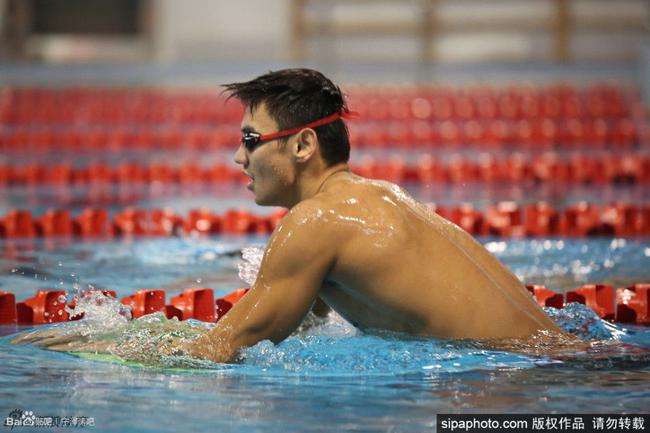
[{"x": 306, "y": 145}]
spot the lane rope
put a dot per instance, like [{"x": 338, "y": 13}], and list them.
[
  {"x": 623, "y": 305},
  {"x": 504, "y": 219},
  {"x": 547, "y": 168}
]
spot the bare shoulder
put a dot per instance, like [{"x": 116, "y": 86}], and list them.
[
  {"x": 308, "y": 221},
  {"x": 303, "y": 237},
  {"x": 377, "y": 197},
  {"x": 308, "y": 215},
  {"x": 351, "y": 207}
]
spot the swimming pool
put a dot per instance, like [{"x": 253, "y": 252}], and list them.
[{"x": 331, "y": 378}]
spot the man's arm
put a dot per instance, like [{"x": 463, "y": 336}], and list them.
[{"x": 299, "y": 254}]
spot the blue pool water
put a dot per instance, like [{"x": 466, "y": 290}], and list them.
[{"x": 330, "y": 378}]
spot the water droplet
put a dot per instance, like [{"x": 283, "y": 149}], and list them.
[
  {"x": 60, "y": 313},
  {"x": 46, "y": 314}
]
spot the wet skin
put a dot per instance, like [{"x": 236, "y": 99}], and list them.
[
  {"x": 367, "y": 249},
  {"x": 370, "y": 251}
]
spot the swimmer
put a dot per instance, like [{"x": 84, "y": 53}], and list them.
[{"x": 363, "y": 247}]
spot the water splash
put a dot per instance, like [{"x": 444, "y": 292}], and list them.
[
  {"x": 582, "y": 321},
  {"x": 99, "y": 311},
  {"x": 106, "y": 326},
  {"x": 154, "y": 340},
  {"x": 376, "y": 355},
  {"x": 321, "y": 345},
  {"x": 250, "y": 264}
]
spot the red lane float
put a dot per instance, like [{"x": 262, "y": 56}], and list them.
[
  {"x": 7, "y": 308},
  {"x": 195, "y": 303},
  {"x": 18, "y": 224},
  {"x": 546, "y": 297},
  {"x": 145, "y": 302},
  {"x": 85, "y": 294},
  {"x": 202, "y": 221},
  {"x": 598, "y": 297},
  {"x": 504, "y": 219},
  {"x": 541, "y": 220},
  {"x": 94, "y": 222},
  {"x": 633, "y": 304},
  {"x": 72, "y": 305},
  {"x": 629, "y": 305},
  {"x": 48, "y": 306},
  {"x": 55, "y": 222},
  {"x": 547, "y": 168}
]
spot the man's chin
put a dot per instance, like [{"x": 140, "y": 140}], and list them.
[
  {"x": 261, "y": 202},
  {"x": 265, "y": 201}
]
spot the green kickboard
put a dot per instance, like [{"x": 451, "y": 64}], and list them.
[{"x": 112, "y": 359}]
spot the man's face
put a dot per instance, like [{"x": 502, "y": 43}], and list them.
[{"x": 270, "y": 165}]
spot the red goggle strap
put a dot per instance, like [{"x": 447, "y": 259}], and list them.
[{"x": 324, "y": 121}]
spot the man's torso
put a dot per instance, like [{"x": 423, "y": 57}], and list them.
[{"x": 401, "y": 267}]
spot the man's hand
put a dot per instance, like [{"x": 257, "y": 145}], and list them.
[
  {"x": 65, "y": 339},
  {"x": 178, "y": 345},
  {"x": 147, "y": 342}
]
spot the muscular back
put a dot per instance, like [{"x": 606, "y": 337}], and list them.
[{"x": 400, "y": 267}]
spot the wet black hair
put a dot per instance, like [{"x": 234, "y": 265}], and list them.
[{"x": 296, "y": 97}]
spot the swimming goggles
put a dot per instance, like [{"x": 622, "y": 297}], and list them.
[{"x": 252, "y": 140}]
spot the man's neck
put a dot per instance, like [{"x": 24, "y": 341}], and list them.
[{"x": 318, "y": 183}]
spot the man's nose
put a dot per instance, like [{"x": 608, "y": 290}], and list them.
[{"x": 240, "y": 156}]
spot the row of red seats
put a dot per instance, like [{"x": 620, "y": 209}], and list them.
[
  {"x": 502, "y": 219},
  {"x": 371, "y": 108},
  {"x": 38, "y": 140},
  {"x": 487, "y": 169},
  {"x": 51, "y": 306},
  {"x": 81, "y": 95},
  {"x": 536, "y": 133},
  {"x": 90, "y": 106},
  {"x": 562, "y": 91},
  {"x": 146, "y": 105},
  {"x": 467, "y": 107},
  {"x": 624, "y": 305},
  {"x": 126, "y": 173},
  {"x": 118, "y": 113}
]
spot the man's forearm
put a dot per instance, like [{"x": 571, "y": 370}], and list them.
[
  {"x": 213, "y": 348},
  {"x": 229, "y": 336}
]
